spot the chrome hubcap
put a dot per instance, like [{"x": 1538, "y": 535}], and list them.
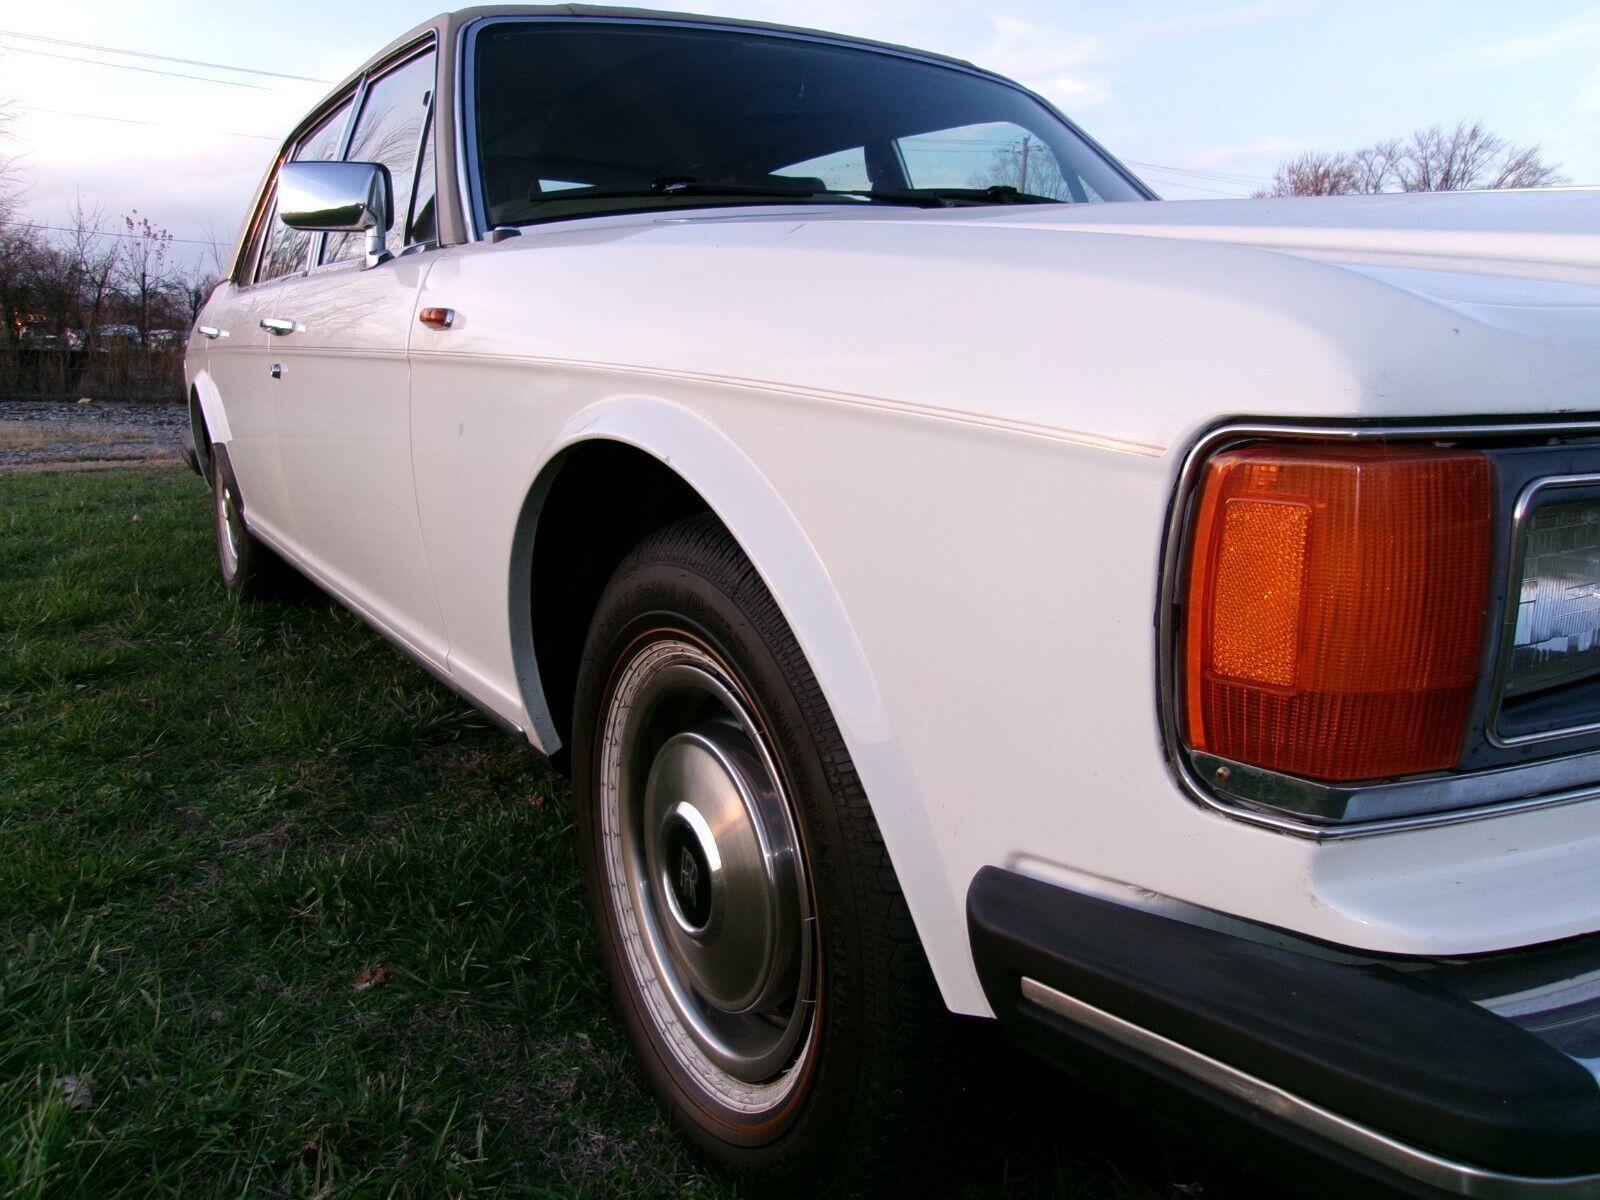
[
  {"x": 706, "y": 875},
  {"x": 225, "y": 518}
]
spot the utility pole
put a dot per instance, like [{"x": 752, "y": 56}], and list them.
[{"x": 1022, "y": 174}]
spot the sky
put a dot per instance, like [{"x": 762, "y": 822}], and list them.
[{"x": 1202, "y": 100}]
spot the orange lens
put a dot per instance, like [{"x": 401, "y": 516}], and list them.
[{"x": 1335, "y": 607}]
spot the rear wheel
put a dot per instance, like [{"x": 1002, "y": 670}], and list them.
[
  {"x": 249, "y": 568},
  {"x": 759, "y": 948}
]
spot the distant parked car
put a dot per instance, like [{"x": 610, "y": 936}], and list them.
[
  {"x": 164, "y": 337},
  {"x": 40, "y": 339},
  {"x": 117, "y": 335},
  {"x": 959, "y": 584}
]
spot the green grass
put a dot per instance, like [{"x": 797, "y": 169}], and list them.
[{"x": 217, "y": 821}]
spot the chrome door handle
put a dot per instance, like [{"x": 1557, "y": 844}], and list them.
[
  {"x": 212, "y": 332},
  {"x": 278, "y": 325}
]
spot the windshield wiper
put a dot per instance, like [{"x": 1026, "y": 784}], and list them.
[
  {"x": 683, "y": 185},
  {"x": 687, "y": 185}
]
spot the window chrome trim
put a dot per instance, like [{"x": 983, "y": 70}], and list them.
[
  {"x": 1297, "y": 806},
  {"x": 403, "y": 57},
  {"x": 466, "y": 67},
  {"x": 1459, "y": 1178},
  {"x": 1520, "y": 516},
  {"x": 262, "y": 233}
]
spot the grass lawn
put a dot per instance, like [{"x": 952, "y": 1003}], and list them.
[{"x": 279, "y": 916}]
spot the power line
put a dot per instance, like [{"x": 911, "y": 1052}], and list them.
[
  {"x": 135, "y": 236},
  {"x": 255, "y": 87},
  {"x": 61, "y": 112},
  {"x": 1217, "y": 175},
  {"x": 1198, "y": 188},
  {"x": 188, "y": 62}
]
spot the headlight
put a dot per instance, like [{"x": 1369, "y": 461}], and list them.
[{"x": 1557, "y": 635}]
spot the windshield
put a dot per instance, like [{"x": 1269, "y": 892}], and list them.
[{"x": 585, "y": 118}]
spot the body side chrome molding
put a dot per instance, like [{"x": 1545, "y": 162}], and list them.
[
  {"x": 1466, "y": 789},
  {"x": 1408, "y": 1160}
]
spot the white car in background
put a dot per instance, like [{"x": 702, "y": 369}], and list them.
[{"x": 958, "y": 584}]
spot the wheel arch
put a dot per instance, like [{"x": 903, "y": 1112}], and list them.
[
  {"x": 208, "y": 423},
  {"x": 678, "y": 463}
]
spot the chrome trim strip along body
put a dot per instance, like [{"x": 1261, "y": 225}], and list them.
[
  {"x": 1454, "y": 790},
  {"x": 1408, "y": 1160},
  {"x": 466, "y": 173},
  {"x": 1519, "y": 536}
]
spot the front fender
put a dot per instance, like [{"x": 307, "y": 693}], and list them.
[{"x": 747, "y": 503}]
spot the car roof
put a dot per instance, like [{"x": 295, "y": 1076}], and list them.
[
  {"x": 444, "y": 28},
  {"x": 448, "y": 23}
]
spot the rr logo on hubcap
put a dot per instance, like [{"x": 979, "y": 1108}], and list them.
[
  {"x": 688, "y": 875},
  {"x": 688, "y": 878}
]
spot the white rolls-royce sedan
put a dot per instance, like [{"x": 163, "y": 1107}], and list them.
[{"x": 957, "y": 583}]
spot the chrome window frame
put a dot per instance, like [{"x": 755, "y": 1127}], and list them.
[
  {"x": 286, "y": 152},
  {"x": 1306, "y": 808},
  {"x": 473, "y": 213},
  {"x": 403, "y": 57},
  {"x": 1521, "y": 515},
  {"x": 406, "y": 242}
]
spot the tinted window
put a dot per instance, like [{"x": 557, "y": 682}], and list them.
[
  {"x": 843, "y": 170},
  {"x": 624, "y": 108},
  {"x": 424, "y": 218},
  {"x": 389, "y": 131},
  {"x": 286, "y": 248},
  {"x": 981, "y": 156}
]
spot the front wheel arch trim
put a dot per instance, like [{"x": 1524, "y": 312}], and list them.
[{"x": 736, "y": 491}]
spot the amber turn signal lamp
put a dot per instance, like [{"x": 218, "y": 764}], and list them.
[{"x": 1334, "y": 613}]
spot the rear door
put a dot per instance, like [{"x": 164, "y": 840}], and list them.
[{"x": 342, "y": 392}]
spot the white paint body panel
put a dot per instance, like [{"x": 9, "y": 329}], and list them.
[
  {"x": 343, "y": 410},
  {"x": 948, "y": 441}
]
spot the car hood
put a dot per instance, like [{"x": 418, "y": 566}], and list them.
[
  {"x": 1132, "y": 326},
  {"x": 1554, "y": 230},
  {"x": 1525, "y": 259}
]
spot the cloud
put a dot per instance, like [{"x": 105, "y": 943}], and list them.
[
  {"x": 1575, "y": 43},
  {"x": 1579, "y": 36},
  {"x": 1213, "y": 22},
  {"x": 1053, "y": 62},
  {"x": 1269, "y": 147}
]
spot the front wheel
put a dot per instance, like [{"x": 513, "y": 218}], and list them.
[{"x": 759, "y": 948}]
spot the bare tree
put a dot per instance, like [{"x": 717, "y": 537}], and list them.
[
  {"x": 1374, "y": 167},
  {"x": 1465, "y": 158},
  {"x": 20, "y": 247},
  {"x": 192, "y": 285},
  {"x": 96, "y": 260},
  {"x": 145, "y": 276},
  {"x": 1317, "y": 173},
  {"x": 10, "y": 170}
]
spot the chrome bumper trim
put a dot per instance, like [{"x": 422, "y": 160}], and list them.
[{"x": 1426, "y": 1168}]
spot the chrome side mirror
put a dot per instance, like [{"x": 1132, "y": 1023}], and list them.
[{"x": 338, "y": 197}]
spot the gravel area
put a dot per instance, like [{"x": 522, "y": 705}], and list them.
[{"x": 34, "y": 432}]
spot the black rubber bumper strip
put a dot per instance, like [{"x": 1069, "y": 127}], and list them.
[{"x": 1400, "y": 1056}]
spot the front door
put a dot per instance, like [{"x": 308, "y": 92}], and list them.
[{"x": 342, "y": 391}]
